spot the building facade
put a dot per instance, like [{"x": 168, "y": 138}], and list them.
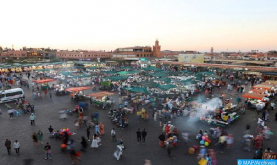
[
  {"x": 138, "y": 51},
  {"x": 14, "y": 54},
  {"x": 83, "y": 55}
]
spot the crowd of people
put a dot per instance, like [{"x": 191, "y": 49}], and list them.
[{"x": 146, "y": 106}]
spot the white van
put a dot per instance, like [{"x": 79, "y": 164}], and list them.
[{"x": 11, "y": 95}]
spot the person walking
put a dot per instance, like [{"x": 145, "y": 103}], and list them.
[
  {"x": 16, "y": 146},
  {"x": 96, "y": 129},
  {"x": 113, "y": 134},
  {"x": 35, "y": 139},
  {"x": 32, "y": 118},
  {"x": 8, "y": 146},
  {"x": 101, "y": 128},
  {"x": 83, "y": 143},
  {"x": 143, "y": 133},
  {"x": 88, "y": 133},
  {"x": 138, "y": 136},
  {"x": 161, "y": 140},
  {"x": 51, "y": 134},
  {"x": 47, "y": 149},
  {"x": 40, "y": 136},
  {"x": 169, "y": 148}
]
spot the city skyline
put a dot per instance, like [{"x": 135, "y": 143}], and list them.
[{"x": 231, "y": 25}]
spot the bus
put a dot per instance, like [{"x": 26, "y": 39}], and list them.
[{"x": 11, "y": 95}]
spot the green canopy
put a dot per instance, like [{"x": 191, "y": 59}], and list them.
[
  {"x": 152, "y": 68},
  {"x": 6, "y": 66},
  {"x": 164, "y": 79},
  {"x": 78, "y": 67},
  {"x": 57, "y": 63},
  {"x": 159, "y": 74},
  {"x": 122, "y": 73},
  {"x": 92, "y": 67},
  {"x": 36, "y": 64},
  {"x": 166, "y": 87},
  {"x": 188, "y": 82},
  {"x": 16, "y": 64},
  {"x": 65, "y": 73},
  {"x": 116, "y": 78},
  {"x": 205, "y": 73},
  {"x": 215, "y": 77},
  {"x": 27, "y": 65},
  {"x": 127, "y": 72},
  {"x": 137, "y": 90}
]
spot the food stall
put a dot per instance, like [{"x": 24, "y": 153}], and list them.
[
  {"x": 260, "y": 91},
  {"x": 216, "y": 114},
  {"x": 77, "y": 92},
  {"x": 44, "y": 83},
  {"x": 256, "y": 100},
  {"x": 101, "y": 99}
]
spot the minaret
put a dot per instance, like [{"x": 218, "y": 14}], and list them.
[
  {"x": 157, "y": 49},
  {"x": 212, "y": 50}
]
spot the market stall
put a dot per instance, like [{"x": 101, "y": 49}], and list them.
[
  {"x": 77, "y": 92},
  {"x": 44, "y": 83},
  {"x": 255, "y": 100},
  {"x": 101, "y": 99},
  {"x": 264, "y": 86}
]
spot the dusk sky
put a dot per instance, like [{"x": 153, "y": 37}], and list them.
[{"x": 108, "y": 24}]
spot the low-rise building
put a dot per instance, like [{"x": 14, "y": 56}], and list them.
[
  {"x": 138, "y": 51},
  {"x": 83, "y": 55}
]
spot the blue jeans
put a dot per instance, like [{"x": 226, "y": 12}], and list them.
[{"x": 48, "y": 155}]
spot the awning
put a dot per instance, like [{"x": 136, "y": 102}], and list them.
[
  {"x": 263, "y": 86},
  {"x": 259, "y": 91},
  {"x": 77, "y": 89},
  {"x": 65, "y": 73},
  {"x": 100, "y": 94},
  {"x": 44, "y": 81},
  {"x": 166, "y": 87},
  {"x": 137, "y": 90},
  {"x": 253, "y": 96},
  {"x": 271, "y": 82},
  {"x": 152, "y": 68}
]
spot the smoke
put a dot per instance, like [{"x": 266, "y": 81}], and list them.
[{"x": 203, "y": 108}]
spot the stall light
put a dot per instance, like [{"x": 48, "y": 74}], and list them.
[{"x": 246, "y": 68}]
